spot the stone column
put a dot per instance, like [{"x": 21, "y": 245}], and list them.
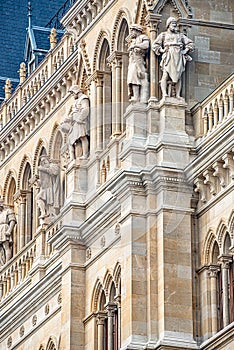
[
  {"x": 21, "y": 197},
  {"x": 213, "y": 270},
  {"x": 99, "y": 114},
  {"x": 100, "y": 331},
  {"x": 116, "y": 62},
  {"x": 153, "y": 21},
  {"x": 111, "y": 308},
  {"x": 118, "y": 301},
  {"x": 225, "y": 260}
]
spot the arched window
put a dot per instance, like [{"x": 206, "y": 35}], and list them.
[
  {"x": 10, "y": 202},
  {"x": 27, "y": 206},
  {"x": 50, "y": 345},
  {"x": 122, "y": 47},
  {"x": 56, "y": 157},
  {"x": 225, "y": 280},
  {"x": 104, "y": 99}
]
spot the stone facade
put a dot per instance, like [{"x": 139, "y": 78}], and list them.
[{"x": 137, "y": 253}]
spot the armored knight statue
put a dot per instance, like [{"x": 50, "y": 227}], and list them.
[
  {"x": 48, "y": 197},
  {"x": 174, "y": 48},
  {"x": 137, "y": 78},
  {"x": 7, "y": 224},
  {"x": 75, "y": 125}
]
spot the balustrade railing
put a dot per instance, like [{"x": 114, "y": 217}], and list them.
[
  {"x": 14, "y": 273},
  {"x": 25, "y": 91},
  {"x": 215, "y": 109}
]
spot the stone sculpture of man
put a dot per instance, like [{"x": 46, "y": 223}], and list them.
[
  {"x": 75, "y": 125},
  {"x": 48, "y": 197},
  {"x": 137, "y": 78},
  {"x": 174, "y": 47},
  {"x": 7, "y": 224}
]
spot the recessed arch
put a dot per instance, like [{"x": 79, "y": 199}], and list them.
[
  {"x": 41, "y": 148},
  {"x": 56, "y": 142},
  {"x": 215, "y": 253},
  {"x": 208, "y": 247},
  {"x": 103, "y": 35},
  {"x": 226, "y": 243},
  {"x": 122, "y": 17},
  {"x": 10, "y": 187},
  {"x": 221, "y": 231},
  {"x": 51, "y": 345},
  {"x": 98, "y": 288}
]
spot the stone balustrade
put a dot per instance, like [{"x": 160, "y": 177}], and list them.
[
  {"x": 45, "y": 100},
  {"x": 25, "y": 91},
  {"x": 14, "y": 273},
  {"x": 215, "y": 109},
  {"x": 216, "y": 178},
  {"x": 83, "y": 14}
]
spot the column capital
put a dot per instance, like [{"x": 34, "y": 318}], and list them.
[
  {"x": 21, "y": 195},
  {"x": 111, "y": 307},
  {"x": 225, "y": 260},
  {"x": 101, "y": 317},
  {"x": 153, "y": 20},
  {"x": 97, "y": 77},
  {"x": 213, "y": 270},
  {"x": 115, "y": 58}
]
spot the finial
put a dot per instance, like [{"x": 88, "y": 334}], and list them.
[
  {"x": 29, "y": 14},
  {"x": 22, "y": 72},
  {"x": 53, "y": 38},
  {"x": 8, "y": 89}
]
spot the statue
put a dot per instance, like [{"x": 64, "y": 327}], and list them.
[
  {"x": 174, "y": 47},
  {"x": 7, "y": 224},
  {"x": 53, "y": 38},
  {"x": 22, "y": 72},
  {"x": 48, "y": 197},
  {"x": 137, "y": 73},
  {"x": 75, "y": 125}
]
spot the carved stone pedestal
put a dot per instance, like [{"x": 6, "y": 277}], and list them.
[
  {"x": 136, "y": 133},
  {"x": 76, "y": 181},
  {"x": 173, "y": 137}
]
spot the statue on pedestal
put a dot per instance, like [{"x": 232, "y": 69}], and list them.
[
  {"x": 75, "y": 125},
  {"x": 7, "y": 224},
  {"x": 174, "y": 47},
  {"x": 137, "y": 79},
  {"x": 48, "y": 197}
]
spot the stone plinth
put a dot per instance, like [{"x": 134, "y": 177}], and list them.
[
  {"x": 173, "y": 137},
  {"x": 76, "y": 181}
]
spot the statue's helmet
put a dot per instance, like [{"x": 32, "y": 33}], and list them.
[
  {"x": 137, "y": 27},
  {"x": 169, "y": 20},
  {"x": 75, "y": 88}
]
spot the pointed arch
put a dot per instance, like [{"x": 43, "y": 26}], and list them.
[
  {"x": 123, "y": 18},
  {"x": 215, "y": 252},
  {"x": 104, "y": 53},
  {"x": 208, "y": 247},
  {"x": 180, "y": 6},
  {"x": 56, "y": 142},
  {"x": 26, "y": 160},
  {"x": 107, "y": 281},
  {"x": 9, "y": 188},
  {"x": 112, "y": 292},
  {"x": 96, "y": 295},
  {"x": 41, "y": 148},
  {"x": 231, "y": 224},
  {"x": 103, "y": 35},
  {"x": 226, "y": 243},
  {"x": 51, "y": 345},
  {"x": 221, "y": 231},
  {"x": 117, "y": 274}
]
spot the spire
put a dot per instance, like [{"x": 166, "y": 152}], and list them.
[{"x": 29, "y": 14}]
